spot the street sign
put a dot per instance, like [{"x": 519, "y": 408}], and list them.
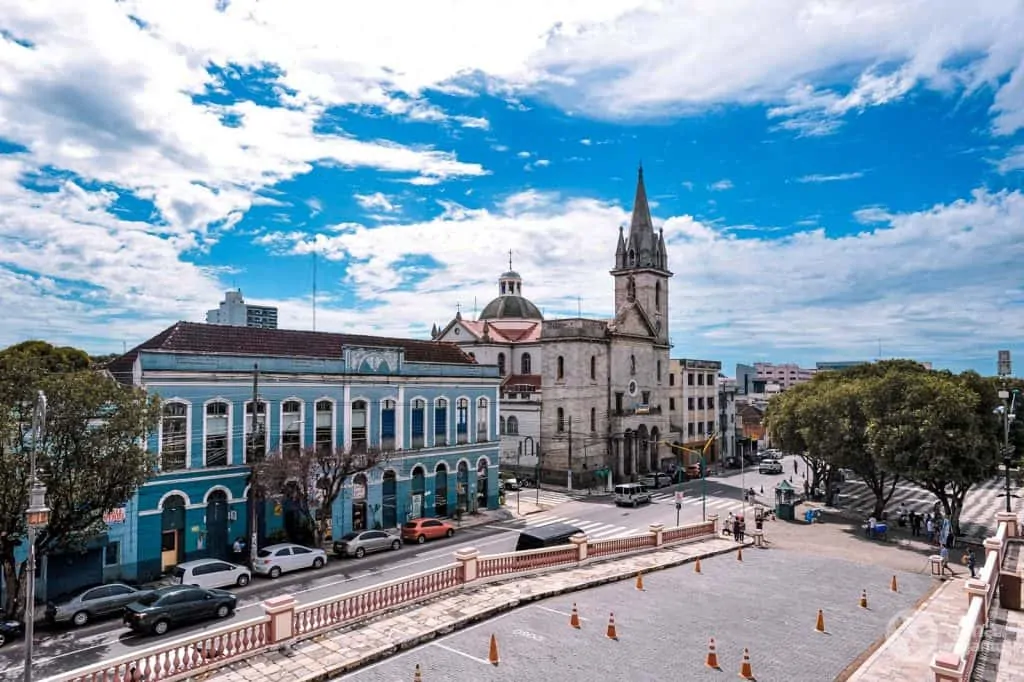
[
  {"x": 679, "y": 496},
  {"x": 1003, "y": 368}
]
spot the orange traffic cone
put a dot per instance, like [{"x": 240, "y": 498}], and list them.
[
  {"x": 640, "y": 581},
  {"x": 739, "y": 554},
  {"x": 574, "y": 619},
  {"x": 864, "y": 599},
  {"x": 418, "y": 677},
  {"x": 696, "y": 566},
  {"x": 893, "y": 586},
  {"x": 612, "y": 632},
  {"x": 712, "y": 658},
  {"x": 820, "y": 625},
  {"x": 745, "y": 670},
  {"x": 492, "y": 655}
]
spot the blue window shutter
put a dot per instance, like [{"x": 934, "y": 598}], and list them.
[
  {"x": 387, "y": 424},
  {"x": 440, "y": 420},
  {"x": 417, "y": 422}
]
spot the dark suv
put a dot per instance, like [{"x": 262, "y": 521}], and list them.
[{"x": 160, "y": 610}]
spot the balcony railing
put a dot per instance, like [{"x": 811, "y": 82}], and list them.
[
  {"x": 285, "y": 621},
  {"x": 638, "y": 410}
]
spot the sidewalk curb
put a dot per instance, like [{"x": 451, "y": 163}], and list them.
[{"x": 391, "y": 649}]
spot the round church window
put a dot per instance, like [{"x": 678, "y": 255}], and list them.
[{"x": 632, "y": 388}]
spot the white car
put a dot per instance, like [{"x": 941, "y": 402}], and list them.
[
  {"x": 211, "y": 573},
  {"x": 769, "y": 466},
  {"x": 274, "y": 560}
]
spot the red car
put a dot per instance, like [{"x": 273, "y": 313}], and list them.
[{"x": 421, "y": 530}]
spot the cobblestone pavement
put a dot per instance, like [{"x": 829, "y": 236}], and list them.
[
  {"x": 344, "y": 649},
  {"x": 767, "y": 603},
  {"x": 1001, "y": 658}
]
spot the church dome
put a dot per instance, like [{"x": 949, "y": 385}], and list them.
[{"x": 511, "y": 307}]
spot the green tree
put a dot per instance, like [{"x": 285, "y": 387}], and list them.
[
  {"x": 92, "y": 457},
  {"x": 793, "y": 423}
]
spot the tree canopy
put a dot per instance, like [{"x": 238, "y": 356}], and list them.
[
  {"x": 895, "y": 420},
  {"x": 92, "y": 456}
]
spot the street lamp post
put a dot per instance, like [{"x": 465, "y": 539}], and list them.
[
  {"x": 1009, "y": 399},
  {"x": 536, "y": 480},
  {"x": 36, "y": 516}
]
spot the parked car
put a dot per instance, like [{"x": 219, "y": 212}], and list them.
[
  {"x": 769, "y": 466},
  {"x": 79, "y": 608},
  {"x": 211, "y": 573},
  {"x": 160, "y": 610},
  {"x": 510, "y": 482},
  {"x": 421, "y": 530},
  {"x": 632, "y": 494},
  {"x": 274, "y": 560},
  {"x": 657, "y": 480},
  {"x": 10, "y": 630},
  {"x": 365, "y": 542}
]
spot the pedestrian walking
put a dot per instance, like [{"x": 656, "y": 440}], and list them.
[
  {"x": 972, "y": 562},
  {"x": 915, "y": 524},
  {"x": 795, "y": 471},
  {"x": 944, "y": 555},
  {"x": 736, "y": 530},
  {"x": 238, "y": 548},
  {"x": 929, "y": 528}
]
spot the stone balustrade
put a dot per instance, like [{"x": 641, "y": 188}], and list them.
[
  {"x": 286, "y": 621},
  {"x": 958, "y": 665}
]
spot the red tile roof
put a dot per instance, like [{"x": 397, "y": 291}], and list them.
[
  {"x": 531, "y": 380},
  {"x": 194, "y": 337}
]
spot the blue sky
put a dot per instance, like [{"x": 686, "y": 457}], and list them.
[{"x": 832, "y": 177}]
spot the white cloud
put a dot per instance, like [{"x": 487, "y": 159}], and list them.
[
  {"x": 838, "y": 177},
  {"x": 688, "y": 185},
  {"x": 376, "y": 201},
  {"x": 1012, "y": 161},
  {"x": 872, "y": 214},
  {"x": 473, "y": 122},
  {"x": 586, "y": 141},
  {"x": 721, "y": 185},
  {"x": 931, "y": 283},
  {"x": 523, "y": 155}
]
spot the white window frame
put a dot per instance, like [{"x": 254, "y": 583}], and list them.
[
  {"x": 188, "y": 433},
  {"x": 396, "y": 445},
  {"x": 334, "y": 420},
  {"x": 231, "y": 415},
  {"x": 302, "y": 422},
  {"x": 469, "y": 432},
  {"x": 247, "y": 424},
  {"x": 484, "y": 402},
  {"x": 351, "y": 422},
  {"x": 426, "y": 420},
  {"x": 448, "y": 415}
]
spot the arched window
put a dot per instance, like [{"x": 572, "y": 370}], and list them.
[
  {"x": 387, "y": 425},
  {"x": 593, "y": 419},
  {"x": 217, "y": 436},
  {"x": 501, "y": 364},
  {"x": 657, "y": 295},
  {"x": 291, "y": 428},
  {"x": 659, "y": 370},
  {"x": 419, "y": 419},
  {"x": 481, "y": 420},
  {"x": 441, "y": 422},
  {"x": 561, "y": 420},
  {"x": 174, "y": 437},
  {"x": 501, "y": 425},
  {"x": 632, "y": 364},
  {"x": 631, "y": 289},
  {"x": 255, "y": 442},
  {"x": 593, "y": 367},
  {"x": 561, "y": 367},
  {"x": 323, "y": 436},
  {"x": 462, "y": 420},
  {"x": 358, "y": 427},
  {"x": 524, "y": 363},
  {"x": 513, "y": 425}
]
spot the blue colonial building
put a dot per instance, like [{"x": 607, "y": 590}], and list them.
[{"x": 428, "y": 405}]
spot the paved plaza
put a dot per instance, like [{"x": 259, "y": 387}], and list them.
[{"x": 767, "y": 603}]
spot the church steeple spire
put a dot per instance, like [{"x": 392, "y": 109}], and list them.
[
  {"x": 641, "y": 222},
  {"x": 642, "y": 247}
]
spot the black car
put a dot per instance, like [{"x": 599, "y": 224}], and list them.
[
  {"x": 98, "y": 601},
  {"x": 160, "y": 610},
  {"x": 10, "y": 630}
]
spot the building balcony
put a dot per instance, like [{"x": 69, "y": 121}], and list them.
[{"x": 639, "y": 409}]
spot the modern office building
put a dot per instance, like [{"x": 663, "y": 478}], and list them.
[
  {"x": 693, "y": 400},
  {"x": 235, "y": 312}
]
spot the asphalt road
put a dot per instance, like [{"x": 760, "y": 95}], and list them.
[
  {"x": 767, "y": 603},
  {"x": 60, "y": 650}
]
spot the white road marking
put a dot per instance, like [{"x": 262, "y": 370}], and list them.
[
  {"x": 560, "y": 613},
  {"x": 460, "y": 653}
]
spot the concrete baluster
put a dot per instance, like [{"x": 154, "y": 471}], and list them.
[
  {"x": 714, "y": 519},
  {"x": 658, "y": 529},
  {"x": 993, "y": 546},
  {"x": 977, "y": 589},
  {"x": 581, "y": 542},
  {"x": 468, "y": 558},
  {"x": 946, "y": 667},
  {"x": 1013, "y": 529},
  {"x": 281, "y": 611}
]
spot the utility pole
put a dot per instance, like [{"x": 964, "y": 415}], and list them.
[
  {"x": 570, "y": 452},
  {"x": 36, "y": 517},
  {"x": 1007, "y": 408},
  {"x": 253, "y": 469}
]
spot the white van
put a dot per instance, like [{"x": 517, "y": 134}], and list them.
[
  {"x": 211, "y": 573},
  {"x": 631, "y": 493}
]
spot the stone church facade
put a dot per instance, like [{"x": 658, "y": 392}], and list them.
[{"x": 581, "y": 395}]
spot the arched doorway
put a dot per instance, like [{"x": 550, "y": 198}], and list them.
[
  {"x": 359, "y": 502},
  {"x": 441, "y": 490},
  {"x": 482, "y": 490},
  {"x": 655, "y": 456},
  {"x": 419, "y": 485},
  {"x": 172, "y": 527},
  {"x": 217, "y": 524},
  {"x": 643, "y": 449},
  {"x": 389, "y": 501},
  {"x": 463, "y": 486},
  {"x": 627, "y": 454}
]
